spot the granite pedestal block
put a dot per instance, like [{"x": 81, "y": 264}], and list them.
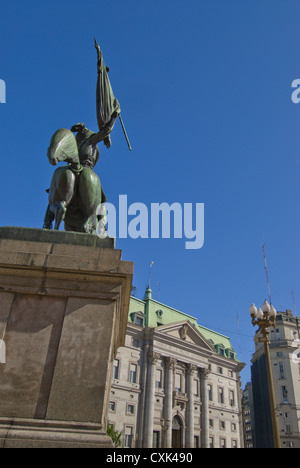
[{"x": 64, "y": 300}]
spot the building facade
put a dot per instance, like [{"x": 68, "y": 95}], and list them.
[
  {"x": 285, "y": 360},
  {"x": 248, "y": 416},
  {"x": 175, "y": 384}
]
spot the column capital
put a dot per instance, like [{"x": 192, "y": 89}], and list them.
[
  {"x": 153, "y": 357},
  {"x": 170, "y": 362},
  {"x": 204, "y": 373},
  {"x": 190, "y": 368}
]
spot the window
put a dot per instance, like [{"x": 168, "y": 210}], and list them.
[
  {"x": 139, "y": 321},
  {"x": 138, "y": 318},
  {"x": 277, "y": 334},
  {"x": 281, "y": 370},
  {"x": 210, "y": 392},
  {"x": 231, "y": 398},
  {"x": 211, "y": 442},
  {"x": 135, "y": 343},
  {"x": 222, "y": 443},
  {"x": 158, "y": 382},
  {"x": 130, "y": 409},
  {"x": 221, "y": 395},
  {"x": 132, "y": 373},
  {"x": 178, "y": 382},
  {"x": 222, "y": 425},
  {"x": 233, "y": 427},
  {"x": 284, "y": 393},
  {"x": 196, "y": 387},
  {"x": 159, "y": 313},
  {"x": 112, "y": 406},
  {"x": 220, "y": 370},
  {"x": 116, "y": 369},
  {"x": 211, "y": 423},
  {"x": 128, "y": 437},
  {"x": 234, "y": 443},
  {"x": 196, "y": 442}
]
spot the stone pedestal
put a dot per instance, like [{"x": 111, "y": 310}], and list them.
[{"x": 64, "y": 300}]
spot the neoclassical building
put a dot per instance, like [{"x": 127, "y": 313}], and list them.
[
  {"x": 285, "y": 362},
  {"x": 175, "y": 384}
]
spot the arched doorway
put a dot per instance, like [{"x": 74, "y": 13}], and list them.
[{"x": 176, "y": 432}]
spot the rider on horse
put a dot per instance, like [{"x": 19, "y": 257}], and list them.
[{"x": 88, "y": 151}]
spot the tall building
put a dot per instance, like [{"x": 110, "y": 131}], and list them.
[
  {"x": 248, "y": 416},
  {"x": 175, "y": 383},
  {"x": 285, "y": 361}
]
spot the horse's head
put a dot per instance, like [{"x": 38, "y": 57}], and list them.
[{"x": 63, "y": 147}]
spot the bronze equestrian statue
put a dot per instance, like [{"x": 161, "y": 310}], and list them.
[{"x": 76, "y": 195}]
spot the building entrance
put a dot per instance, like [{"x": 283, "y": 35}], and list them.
[{"x": 176, "y": 432}]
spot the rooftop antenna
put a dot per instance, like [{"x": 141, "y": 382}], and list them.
[
  {"x": 151, "y": 264},
  {"x": 239, "y": 332},
  {"x": 158, "y": 291},
  {"x": 266, "y": 269}
]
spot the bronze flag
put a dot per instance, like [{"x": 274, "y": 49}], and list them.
[{"x": 108, "y": 107}]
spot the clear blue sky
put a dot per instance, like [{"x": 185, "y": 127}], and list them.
[{"x": 205, "y": 91}]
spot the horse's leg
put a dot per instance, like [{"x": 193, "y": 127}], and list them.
[
  {"x": 60, "y": 213},
  {"x": 49, "y": 218},
  {"x": 61, "y": 193},
  {"x": 90, "y": 195}
]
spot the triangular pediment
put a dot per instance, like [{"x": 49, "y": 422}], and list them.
[{"x": 185, "y": 332}]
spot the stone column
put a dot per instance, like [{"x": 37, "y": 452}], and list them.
[
  {"x": 190, "y": 407},
  {"x": 169, "y": 366},
  {"x": 149, "y": 403},
  {"x": 141, "y": 413},
  {"x": 204, "y": 373}
]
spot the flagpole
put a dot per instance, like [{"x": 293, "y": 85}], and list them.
[{"x": 123, "y": 127}]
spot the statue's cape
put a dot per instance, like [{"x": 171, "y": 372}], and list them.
[
  {"x": 107, "y": 104},
  {"x": 63, "y": 147}
]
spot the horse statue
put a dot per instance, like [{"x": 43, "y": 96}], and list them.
[{"x": 75, "y": 195}]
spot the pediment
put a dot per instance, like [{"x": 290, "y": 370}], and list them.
[{"x": 186, "y": 332}]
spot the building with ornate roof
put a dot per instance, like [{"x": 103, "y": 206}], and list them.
[{"x": 175, "y": 383}]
